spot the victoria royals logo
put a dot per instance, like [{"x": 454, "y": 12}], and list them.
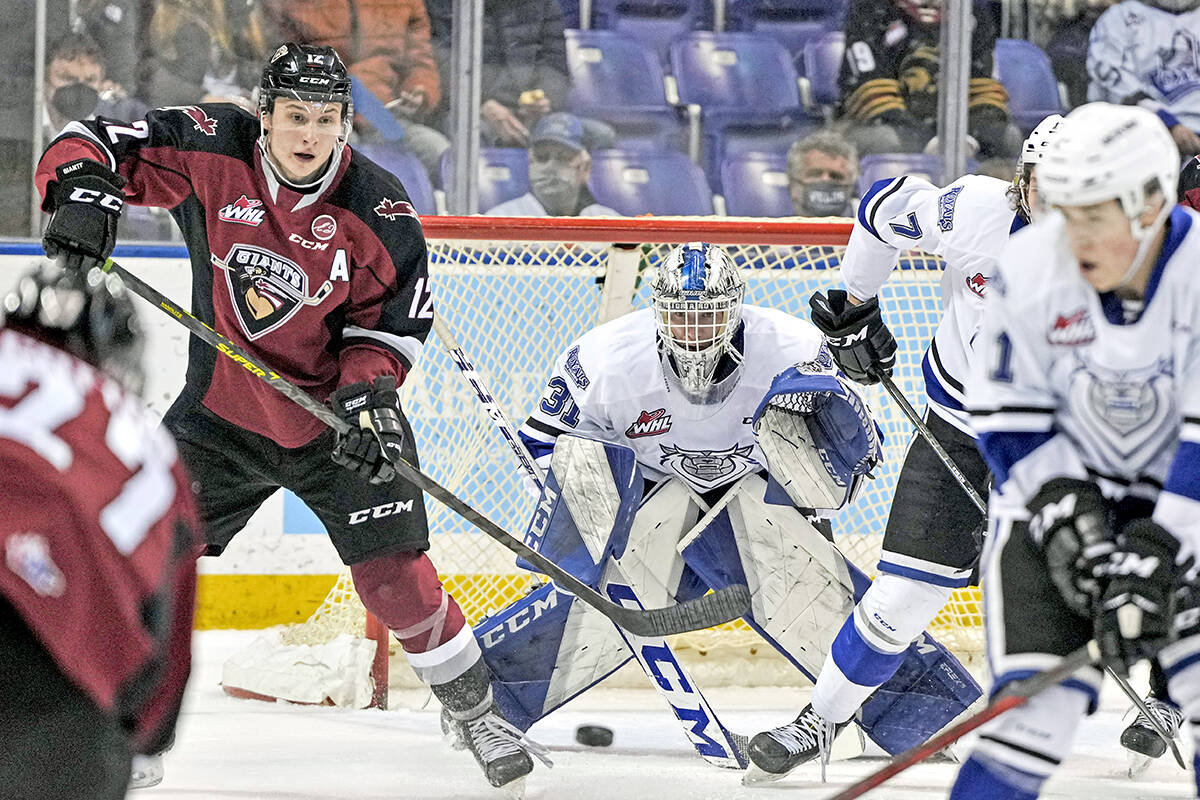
[
  {"x": 946, "y": 208},
  {"x": 1131, "y": 413},
  {"x": 708, "y": 469},
  {"x": 1178, "y": 72},
  {"x": 267, "y": 289},
  {"x": 575, "y": 369}
]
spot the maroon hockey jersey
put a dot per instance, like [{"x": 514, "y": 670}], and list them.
[
  {"x": 328, "y": 287},
  {"x": 98, "y": 535}
]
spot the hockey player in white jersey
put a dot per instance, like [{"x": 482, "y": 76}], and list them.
[
  {"x": 1147, "y": 52},
  {"x": 1086, "y": 399},
  {"x": 736, "y": 424},
  {"x": 932, "y": 540}
]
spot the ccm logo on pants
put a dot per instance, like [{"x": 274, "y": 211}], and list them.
[{"x": 384, "y": 510}]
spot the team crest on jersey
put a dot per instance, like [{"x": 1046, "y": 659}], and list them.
[
  {"x": 267, "y": 289},
  {"x": 575, "y": 369},
  {"x": 1072, "y": 329},
  {"x": 649, "y": 423},
  {"x": 1127, "y": 409},
  {"x": 977, "y": 283},
  {"x": 203, "y": 122},
  {"x": 946, "y": 208},
  {"x": 1179, "y": 70},
  {"x": 390, "y": 209},
  {"x": 324, "y": 227},
  {"x": 244, "y": 211},
  {"x": 708, "y": 469},
  {"x": 28, "y": 556}
]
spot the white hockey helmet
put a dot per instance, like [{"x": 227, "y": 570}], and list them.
[
  {"x": 1101, "y": 152},
  {"x": 697, "y": 294},
  {"x": 1032, "y": 153}
]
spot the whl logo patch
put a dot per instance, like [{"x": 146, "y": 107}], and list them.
[
  {"x": 650, "y": 423},
  {"x": 977, "y": 283},
  {"x": 267, "y": 289},
  {"x": 244, "y": 211},
  {"x": 1073, "y": 329}
]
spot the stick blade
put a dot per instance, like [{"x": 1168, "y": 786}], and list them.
[{"x": 717, "y": 608}]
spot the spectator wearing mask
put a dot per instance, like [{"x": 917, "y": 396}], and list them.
[
  {"x": 75, "y": 86},
  {"x": 559, "y": 166},
  {"x": 822, "y": 169}
]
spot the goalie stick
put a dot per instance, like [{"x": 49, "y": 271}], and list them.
[
  {"x": 733, "y": 744},
  {"x": 703, "y": 612}
]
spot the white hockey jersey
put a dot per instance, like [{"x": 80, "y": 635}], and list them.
[
  {"x": 1063, "y": 386},
  {"x": 967, "y": 224},
  {"x": 1137, "y": 50},
  {"x": 611, "y": 385}
]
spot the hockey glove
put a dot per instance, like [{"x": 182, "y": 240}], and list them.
[
  {"x": 1072, "y": 524},
  {"x": 860, "y": 342},
  {"x": 1136, "y": 612},
  {"x": 86, "y": 202},
  {"x": 376, "y": 436}
]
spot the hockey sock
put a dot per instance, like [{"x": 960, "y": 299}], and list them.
[
  {"x": 851, "y": 672},
  {"x": 983, "y": 779}
]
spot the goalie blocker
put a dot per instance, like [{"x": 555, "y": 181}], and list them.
[{"x": 545, "y": 648}]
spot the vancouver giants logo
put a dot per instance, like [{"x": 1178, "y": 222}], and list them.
[
  {"x": 390, "y": 209},
  {"x": 267, "y": 289},
  {"x": 1072, "y": 329},
  {"x": 977, "y": 283},
  {"x": 204, "y": 123},
  {"x": 650, "y": 423},
  {"x": 708, "y": 469},
  {"x": 244, "y": 211}
]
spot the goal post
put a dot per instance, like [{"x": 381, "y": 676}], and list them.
[{"x": 517, "y": 291}]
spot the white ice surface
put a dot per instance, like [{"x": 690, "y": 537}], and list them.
[{"x": 241, "y": 749}]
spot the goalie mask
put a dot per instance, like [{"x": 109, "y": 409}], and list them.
[{"x": 697, "y": 298}]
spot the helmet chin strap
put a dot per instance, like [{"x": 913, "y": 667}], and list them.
[
  {"x": 269, "y": 160},
  {"x": 1144, "y": 235}
]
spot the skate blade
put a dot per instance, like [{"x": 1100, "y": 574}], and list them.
[
  {"x": 753, "y": 776},
  {"x": 514, "y": 789},
  {"x": 1138, "y": 764}
]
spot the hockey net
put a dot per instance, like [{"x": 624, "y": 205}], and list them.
[{"x": 515, "y": 293}]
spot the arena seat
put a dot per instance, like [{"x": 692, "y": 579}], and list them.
[
  {"x": 637, "y": 182},
  {"x": 755, "y": 185},
  {"x": 503, "y": 174},
  {"x": 1033, "y": 92},
  {"x": 408, "y": 168}
]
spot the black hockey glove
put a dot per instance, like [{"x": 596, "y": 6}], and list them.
[
  {"x": 860, "y": 342},
  {"x": 1137, "y": 609},
  {"x": 1072, "y": 523},
  {"x": 377, "y": 435},
  {"x": 86, "y": 201}
]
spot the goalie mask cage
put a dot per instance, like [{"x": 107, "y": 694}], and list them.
[{"x": 516, "y": 292}]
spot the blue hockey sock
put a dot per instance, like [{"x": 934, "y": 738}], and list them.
[
  {"x": 859, "y": 661},
  {"x": 984, "y": 779}
]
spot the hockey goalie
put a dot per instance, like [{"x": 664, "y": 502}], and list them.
[{"x": 691, "y": 445}]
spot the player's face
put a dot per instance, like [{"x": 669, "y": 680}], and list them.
[
  {"x": 1031, "y": 195},
  {"x": 1101, "y": 241},
  {"x": 301, "y": 137},
  {"x": 696, "y": 330}
]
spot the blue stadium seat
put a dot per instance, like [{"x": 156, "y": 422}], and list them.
[
  {"x": 756, "y": 185},
  {"x": 655, "y": 23},
  {"x": 619, "y": 80},
  {"x": 570, "y": 9},
  {"x": 663, "y": 182},
  {"x": 792, "y": 23},
  {"x": 822, "y": 59},
  {"x": 1024, "y": 69},
  {"x": 746, "y": 86},
  {"x": 407, "y": 167},
  {"x": 503, "y": 174},
  {"x": 878, "y": 166}
]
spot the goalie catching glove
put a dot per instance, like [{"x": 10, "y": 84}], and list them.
[
  {"x": 376, "y": 435},
  {"x": 860, "y": 342},
  {"x": 1072, "y": 523},
  {"x": 86, "y": 201}
]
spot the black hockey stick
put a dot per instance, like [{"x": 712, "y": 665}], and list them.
[
  {"x": 927, "y": 435},
  {"x": 1151, "y": 718},
  {"x": 1015, "y": 694},
  {"x": 712, "y": 609}
]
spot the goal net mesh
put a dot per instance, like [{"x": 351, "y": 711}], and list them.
[{"x": 514, "y": 305}]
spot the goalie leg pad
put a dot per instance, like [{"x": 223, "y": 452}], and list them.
[{"x": 586, "y": 507}]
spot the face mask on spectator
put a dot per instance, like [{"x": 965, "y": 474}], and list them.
[
  {"x": 75, "y": 100},
  {"x": 824, "y": 198},
  {"x": 555, "y": 184}
]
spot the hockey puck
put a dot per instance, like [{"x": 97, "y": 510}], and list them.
[{"x": 594, "y": 735}]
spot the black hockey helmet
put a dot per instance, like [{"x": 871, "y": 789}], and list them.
[
  {"x": 90, "y": 316},
  {"x": 1189, "y": 183},
  {"x": 305, "y": 72}
]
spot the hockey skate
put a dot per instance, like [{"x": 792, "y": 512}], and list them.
[
  {"x": 775, "y": 753},
  {"x": 146, "y": 771},
  {"x": 504, "y": 753},
  {"x": 1142, "y": 741}
]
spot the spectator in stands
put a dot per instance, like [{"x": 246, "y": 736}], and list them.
[
  {"x": 559, "y": 166},
  {"x": 115, "y": 26},
  {"x": 387, "y": 47},
  {"x": 822, "y": 169},
  {"x": 75, "y": 86},
  {"x": 889, "y": 80},
  {"x": 524, "y": 73},
  {"x": 1146, "y": 53},
  {"x": 1072, "y": 22}
]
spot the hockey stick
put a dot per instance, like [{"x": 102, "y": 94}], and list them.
[
  {"x": 1015, "y": 694},
  {"x": 703, "y": 612},
  {"x": 1154, "y": 721},
  {"x": 927, "y": 435},
  {"x": 710, "y": 749}
]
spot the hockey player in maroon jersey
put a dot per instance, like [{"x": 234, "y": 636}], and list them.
[
  {"x": 97, "y": 545},
  {"x": 310, "y": 256}
]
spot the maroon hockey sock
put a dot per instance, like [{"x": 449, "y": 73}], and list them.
[{"x": 404, "y": 592}]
